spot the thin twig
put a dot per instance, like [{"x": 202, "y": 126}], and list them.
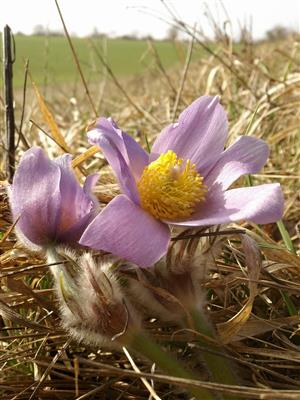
[
  {"x": 160, "y": 65},
  {"x": 187, "y": 29},
  {"x": 144, "y": 380},
  {"x": 24, "y": 94},
  {"x": 183, "y": 77},
  {"x": 139, "y": 109},
  {"x": 81, "y": 168},
  {"x": 208, "y": 234},
  {"x": 248, "y": 392},
  {"x": 19, "y": 130},
  {"x": 76, "y": 61},
  {"x": 48, "y": 135},
  {"x": 104, "y": 79},
  {"x": 50, "y": 366}
]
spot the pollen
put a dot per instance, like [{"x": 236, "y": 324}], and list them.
[{"x": 170, "y": 187}]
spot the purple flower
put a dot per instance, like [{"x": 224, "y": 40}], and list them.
[
  {"x": 184, "y": 181},
  {"x": 47, "y": 202}
]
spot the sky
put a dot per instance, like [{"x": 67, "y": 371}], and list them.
[{"x": 119, "y": 17}]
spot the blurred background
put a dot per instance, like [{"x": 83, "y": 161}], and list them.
[{"x": 121, "y": 30}]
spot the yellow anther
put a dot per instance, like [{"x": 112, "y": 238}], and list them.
[{"x": 170, "y": 188}]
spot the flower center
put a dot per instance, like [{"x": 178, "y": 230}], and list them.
[{"x": 170, "y": 188}]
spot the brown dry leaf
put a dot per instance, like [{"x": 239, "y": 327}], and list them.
[
  {"x": 229, "y": 329},
  {"x": 50, "y": 121}
]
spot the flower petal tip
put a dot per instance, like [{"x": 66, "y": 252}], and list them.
[
  {"x": 214, "y": 101},
  {"x": 127, "y": 231}
]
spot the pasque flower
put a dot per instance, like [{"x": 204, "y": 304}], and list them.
[
  {"x": 48, "y": 204},
  {"x": 184, "y": 181}
]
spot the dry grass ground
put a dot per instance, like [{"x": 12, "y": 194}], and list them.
[{"x": 256, "y": 311}]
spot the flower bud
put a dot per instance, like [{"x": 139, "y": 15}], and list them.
[
  {"x": 93, "y": 307},
  {"x": 175, "y": 285}
]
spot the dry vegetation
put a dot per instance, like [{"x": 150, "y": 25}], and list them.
[{"x": 254, "y": 307}]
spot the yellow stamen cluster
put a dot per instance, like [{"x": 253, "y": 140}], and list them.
[{"x": 170, "y": 188}]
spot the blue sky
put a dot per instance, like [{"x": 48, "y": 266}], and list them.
[{"x": 143, "y": 17}]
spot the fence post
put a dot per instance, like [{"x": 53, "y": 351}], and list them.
[{"x": 8, "y": 60}]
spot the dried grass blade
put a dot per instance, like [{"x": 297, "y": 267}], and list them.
[
  {"x": 50, "y": 366},
  {"x": 7, "y": 312},
  {"x": 144, "y": 380},
  {"x": 229, "y": 329},
  {"x": 259, "y": 326},
  {"x": 49, "y": 119},
  {"x": 85, "y": 156},
  {"x": 20, "y": 287}
]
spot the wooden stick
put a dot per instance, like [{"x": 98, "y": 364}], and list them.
[
  {"x": 8, "y": 61},
  {"x": 76, "y": 60}
]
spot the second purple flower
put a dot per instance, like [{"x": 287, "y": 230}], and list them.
[{"x": 48, "y": 204}]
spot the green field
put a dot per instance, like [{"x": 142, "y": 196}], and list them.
[{"x": 51, "y": 61}]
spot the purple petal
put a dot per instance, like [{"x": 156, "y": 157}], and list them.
[
  {"x": 90, "y": 182},
  {"x": 35, "y": 197},
  {"x": 48, "y": 200},
  {"x": 199, "y": 135},
  {"x": 246, "y": 156},
  {"x": 126, "y": 230},
  {"x": 73, "y": 233},
  {"x": 123, "y": 153},
  {"x": 75, "y": 203},
  {"x": 260, "y": 204},
  {"x": 88, "y": 186}
]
